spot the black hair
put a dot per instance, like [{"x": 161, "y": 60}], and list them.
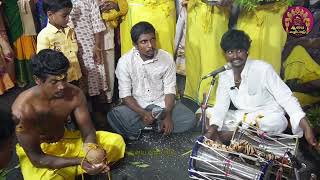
[
  {"x": 235, "y": 39},
  {"x": 55, "y": 5},
  {"x": 6, "y": 126},
  {"x": 141, "y": 28},
  {"x": 49, "y": 62}
]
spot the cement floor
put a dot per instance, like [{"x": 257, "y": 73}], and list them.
[{"x": 156, "y": 157}]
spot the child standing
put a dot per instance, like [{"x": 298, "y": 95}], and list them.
[{"x": 59, "y": 36}]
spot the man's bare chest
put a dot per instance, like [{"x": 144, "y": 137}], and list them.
[
  {"x": 52, "y": 115},
  {"x": 50, "y": 122}
]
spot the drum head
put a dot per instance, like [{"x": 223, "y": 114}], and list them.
[{"x": 210, "y": 163}]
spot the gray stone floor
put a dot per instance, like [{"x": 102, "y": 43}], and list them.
[{"x": 156, "y": 157}]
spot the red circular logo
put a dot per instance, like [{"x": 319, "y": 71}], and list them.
[{"x": 297, "y": 21}]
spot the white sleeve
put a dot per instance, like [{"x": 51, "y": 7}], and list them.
[
  {"x": 169, "y": 78},
  {"x": 284, "y": 96},
  {"x": 219, "y": 110},
  {"x": 124, "y": 80}
]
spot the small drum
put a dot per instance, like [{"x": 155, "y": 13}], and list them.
[
  {"x": 213, "y": 163},
  {"x": 278, "y": 148},
  {"x": 249, "y": 156},
  {"x": 277, "y": 144}
]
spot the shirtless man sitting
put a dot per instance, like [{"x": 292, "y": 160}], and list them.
[{"x": 45, "y": 148}]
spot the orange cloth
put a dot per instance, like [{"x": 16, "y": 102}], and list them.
[{"x": 5, "y": 83}]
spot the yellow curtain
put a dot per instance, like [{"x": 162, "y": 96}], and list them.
[
  {"x": 160, "y": 13},
  {"x": 264, "y": 26},
  {"x": 205, "y": 27}
]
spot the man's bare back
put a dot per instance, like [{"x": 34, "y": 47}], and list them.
[{"x": 46, "y": 117}]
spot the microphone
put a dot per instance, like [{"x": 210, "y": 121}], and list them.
[{"x": 217, "y": 71}]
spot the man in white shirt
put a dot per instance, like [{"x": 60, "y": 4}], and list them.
[
  {"x": 147, "y": 82},
  {"x": 258, "y": 93}
]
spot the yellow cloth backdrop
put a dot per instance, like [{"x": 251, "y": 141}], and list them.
[
  {"x": 70, "y": 146},
  {"x": 205, "y": 27},
  {"x": 160, "y": 13},
  {"x": 300, "y": 65},
  {"x": 264, "y": 26}
]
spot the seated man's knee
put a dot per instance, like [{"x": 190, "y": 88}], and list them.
[{"x": 276, "y": 123}]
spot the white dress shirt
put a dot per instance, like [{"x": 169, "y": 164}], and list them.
[
  {"x": 261, "y": 90},
  {"x": 147, "y": 81}
]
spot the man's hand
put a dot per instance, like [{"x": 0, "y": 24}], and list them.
[
  {"x": 97, "y": 55},
  {"x": 308, "y": 134},
  {"x": 94, "y": 169},
  {"x": 184, "y": 3},
  {"x": 106, "y": 6},
  {"x": 134, "y": 106},
  {"x": 209, "y": 135},
  {"x": 167, "y": 125},
  {"x": 147, "y": 118},
  {"x": 212, "y": 133}
]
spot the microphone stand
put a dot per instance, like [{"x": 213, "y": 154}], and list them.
[{"x": 204, "y": 106}]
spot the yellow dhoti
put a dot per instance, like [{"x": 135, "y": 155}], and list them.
[
  {"x": 160, "y": 13},
  {"x": 70, "y": 146},
  {"x": 205, "y": 27},
  {"x": 300, "y": 65},
  {"x": 264, "y": 26}
]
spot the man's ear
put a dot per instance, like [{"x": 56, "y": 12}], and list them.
[
  {"x": 49, "y": 15},
  {"x": 135, "y": 45},
  {"x": 37, "y": 80}
]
